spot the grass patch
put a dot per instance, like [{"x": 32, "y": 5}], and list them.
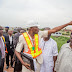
[{"x": 60, "y": 41}]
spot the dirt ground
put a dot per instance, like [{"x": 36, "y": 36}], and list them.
[{"x": 10, "y": 69}]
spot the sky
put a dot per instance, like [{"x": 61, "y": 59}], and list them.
[{"x": 48, "y": 13}]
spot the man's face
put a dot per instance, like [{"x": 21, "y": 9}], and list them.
[
  {"x": 10, "y": 32},
  {"x": 21, "y": 32},
  {"x": 1, "y": 32},
  {"x": 48, "y": 37},
  {"x": 6, "y": 29},
  {"x": 35, "y": 29},
  {"x": 49, "y": 34}
]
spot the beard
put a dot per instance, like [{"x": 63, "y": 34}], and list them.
[{"x": 35, "y": 33}]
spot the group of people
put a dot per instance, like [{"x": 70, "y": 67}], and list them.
[
  {"x": 39, "y": 45},
  {"x": 8, "y": 41}
]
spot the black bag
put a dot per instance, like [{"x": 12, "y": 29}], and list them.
[{"x": 28, "y": 59}]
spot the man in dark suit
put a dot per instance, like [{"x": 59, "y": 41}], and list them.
[
  {"x": 18, "y": 65},
  {"x": 10, "y": 48},
  {"x": 6, "y": 31}
]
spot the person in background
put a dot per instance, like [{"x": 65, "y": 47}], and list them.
[
  {"x": 22, "y": 31},
  {"x": 18, "y": 65},
  {"x": 6, "y": 30},
  {"x": 16, "y": 37},
  {"x": 64, "y": 59},
  {"x": 69, "y": 39},
  {"x": 30, "y": 41},
  {"x": 5, "y": 33},
  {"x": 2, "y": 50},
  {"x": 49, "y": 53},
  {"x": 15, "y": 31},
  {"x": 10, "y": 48}
]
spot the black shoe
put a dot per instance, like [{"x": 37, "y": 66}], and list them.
[{"x": 7, "y": 67}]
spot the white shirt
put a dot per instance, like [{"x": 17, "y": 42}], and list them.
[
  {"x": 64, "y": 60},
  {"x": 49, "y": 49},
  {"x": 10, "y": 38},
  {"x": 2, "y": 42}
]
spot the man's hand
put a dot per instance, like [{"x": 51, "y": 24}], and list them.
[
  {"x": 58, "y": 28},
  {"x": 53, "y": 70},
  {"x": 27, "y": 66},
  {"x": 23, "y": 63},
  {"x": 70, "y": 23}
]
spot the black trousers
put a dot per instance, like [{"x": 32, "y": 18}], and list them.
[
  {"x": 2, "y": 65},
  {"x": 7, "y": 59}
]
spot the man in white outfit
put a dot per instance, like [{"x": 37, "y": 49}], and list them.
[
  {"x": 49, "y": 53},
  {"x": 33, "y": 30},
  {"x": 64, "y": 59}
]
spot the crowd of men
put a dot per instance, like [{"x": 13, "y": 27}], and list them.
[
  {"x": 39, "y": 45},
  {"x": 9, "y": 40}
]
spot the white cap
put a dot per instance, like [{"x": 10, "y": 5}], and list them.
[{"x": 32, "y": 23}]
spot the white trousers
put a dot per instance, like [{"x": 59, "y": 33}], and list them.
[{"x": 46, "y": 68}]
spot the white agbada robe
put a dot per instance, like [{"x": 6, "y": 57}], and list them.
[
  {"x": 64, "y": 60},
  {"x": 49, "y": 49}
]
